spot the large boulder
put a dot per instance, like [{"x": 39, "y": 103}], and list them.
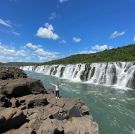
[
  {"x": 20, "y": 87},
  {"x": 11, "y": 73}
]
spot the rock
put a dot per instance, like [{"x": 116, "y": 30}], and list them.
[
  {"x": 13, "y": 119},
  {"x": 75, "y": 112},
  {"x": 11, "y": 73},
  {"x": 80, "y": 126},
  {"x": 27, "y": 108},
  {"x": 51, "y": 127},
  {"x": 14, "y": 102},
  {"x": 85, "y": 110},
  {"x": 60, "y": 103},
  {"x": 4, "y": 102},
  {"x": 31, "y": 103},
  {"x": 8, "y": 113},
  {"x": 20, "y": 87},
  {"x": 2, "y": 120},
  {"x": 22, "y": 99}
]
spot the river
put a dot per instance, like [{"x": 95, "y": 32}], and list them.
[{"x": 113, "y": 109}]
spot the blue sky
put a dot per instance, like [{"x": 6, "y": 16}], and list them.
[{"x": 42, "y": 30}]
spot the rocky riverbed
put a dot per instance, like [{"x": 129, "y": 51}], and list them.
[{"x": 26, "y": 107}]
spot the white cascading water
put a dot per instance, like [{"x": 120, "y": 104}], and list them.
[{"x": 120, "y": 74}]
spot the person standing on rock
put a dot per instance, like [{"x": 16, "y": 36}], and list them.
[{"x": 57, "y": 88}]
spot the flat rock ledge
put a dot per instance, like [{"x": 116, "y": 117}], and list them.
[{"x": 26, "y": 107}]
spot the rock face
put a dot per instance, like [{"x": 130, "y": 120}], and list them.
[{"x": 27, "y": 108}]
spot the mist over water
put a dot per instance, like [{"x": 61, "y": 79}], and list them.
[{"x": 113, "y": 109}]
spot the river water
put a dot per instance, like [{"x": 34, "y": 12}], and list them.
[{"x": 113, "y": 109}]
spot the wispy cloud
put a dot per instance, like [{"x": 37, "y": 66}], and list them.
[
  {"x": 47, "y": 32},
  {"x": 5, "y": 23},
  {"x": 76, "y": 39},
  {"x": 53, "y": 16},
  {"x": 62, "y": 1},
  {"x": 16, "y": 33},
  {"x": 116, "y": 34},
  {"x": 62, "y": 42}
]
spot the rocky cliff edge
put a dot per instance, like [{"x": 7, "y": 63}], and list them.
[{"x": 26, "y": 107}]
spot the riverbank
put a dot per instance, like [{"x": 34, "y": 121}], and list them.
[{"x": 27, "y": 107}]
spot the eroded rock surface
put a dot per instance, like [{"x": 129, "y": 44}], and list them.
[{"x": 27, "y": 108}]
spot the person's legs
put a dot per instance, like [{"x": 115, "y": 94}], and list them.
[{"x": 58, "y": 94}]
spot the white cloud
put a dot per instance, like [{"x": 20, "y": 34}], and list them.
[
  {"x": 116, "y": 34},
  {"x": 62, "y": 42},
  {"x": 86, "y": 52},
  {"x": 39, "y": 51},
  {"x": 11, "y": 52},
  {"x": 43, "y": 53},
  {"x": 53, "y": 16},
  {"x": 5, "y": 23},
  {"x": 94, "y": 49},
  {"x": 62, "y": 1},
  {"x": 47, "y": 32},
  {"x": 28, "y": 53},
  {"x": 101, "y": 47},
  {"x": 30, "y": 45},
  {"x": 76, "y": 39}
]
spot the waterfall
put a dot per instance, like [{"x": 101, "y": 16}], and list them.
[{"x": 120, "y": 74}]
